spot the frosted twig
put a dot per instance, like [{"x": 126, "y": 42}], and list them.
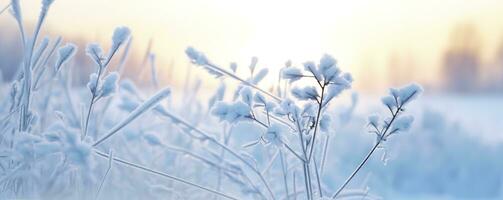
[
  {"x": 110, "y": 160},
  {"x": 146, "y": 169},
  {"x": 5, "y": 8},
  {"x": 148, "y": 104}
]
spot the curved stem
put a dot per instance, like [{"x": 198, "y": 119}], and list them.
[
  {"x": 206, "y": 136},
  {"x": 143, "y": 168},
  {"x": 313, "y": 141},
  {"x": 395, "y": 114}
]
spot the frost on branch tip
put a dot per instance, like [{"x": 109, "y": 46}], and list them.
[
  {"x": 401, "y": 96},
  {"x": 231, "y": 113},
  {"x": 65, "y": 53},
  {"x": 196, "y": 57},
  {"x": 402, "y": 123},
  {"x": 310, "y": 66},
  {"x": 15, "y": 10},
  {"x": 92, "y": 83},
  {"x": 234, "y": 67},
  {"x": 46, "y": 4},
  {"x": 373, "y": 120},
  {"x": 292, "y": 74},
  {"x": 287, "y": 107},
  {"x": 106, "y": 87},
  {"x": 253, "y": 64},
  {"x": 259, "y": 76},
  {"x": 306, "y": 93},
  {"x": 274, "y": 135},
  {"x": 109, "y": 86},
  {"x": 246, "y": 95},
  {"x": 121, "y": 34},
  {"x": 95, "y": 51}
]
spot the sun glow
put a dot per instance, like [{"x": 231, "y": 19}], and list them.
[{"x": 364, "y": 36}]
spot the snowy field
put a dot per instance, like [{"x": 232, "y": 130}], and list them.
[{"x": 307, "y": 135}]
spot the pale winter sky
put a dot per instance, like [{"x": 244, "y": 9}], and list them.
[{"x": 364, "y": 35}]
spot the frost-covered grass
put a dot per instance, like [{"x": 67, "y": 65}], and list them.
[{"x": 111, "y": 139}]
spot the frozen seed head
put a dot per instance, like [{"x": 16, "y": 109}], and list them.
[
  {"x": 310, "y": 66},
  {"x": 259, "y": 98},
  {"x": 403, "y": 123},
  {"x": 94, "y": 51},
  {"x": 121, "y": 34},
  {"x": 274, "y": 135},
  {"x": 287, "y": 106},
  {"x": 93, "y": 79},
  {"x": 389, "y": 102},
  {"x": 400, "y": 97},
  {"x": 246, "y": 95},
  {"x": 65, "y": 53},
  {"x": 253, "y": 64},
  {"x": 409, "y": 92},
  {"x": 231, "y": 113},
  {"x": 374, "y": 120},
  {"x": 306, "y": 93},
  {"x": 196, "y": 57},
  {"x": 234, "y": 67},
  {"x": 326, "y": 63},
  {"x": 292, "y": 74},
  {"x": 15, "y": 10},
  {"x": 260, "y": 75},
  {"x": 46, "y": 4},
  {"x": 109, "y": 86}
]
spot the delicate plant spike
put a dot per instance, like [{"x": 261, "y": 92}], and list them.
[
  {"x": 16, "y": 10},
  {"x": 274, "y": 135},
  {"x": 253, "y": 64},
  {"x": 4, "y": 8},
  {"x": 120, "y": 36},
  {"x": 65, "y": 53},
  {"x": 292, "y": 74},
  {"x": 397, "y": 123},
  {"x": 148, "y": 104},
  {"x": 109, "y": 86},
  {"x": 94, "y": 51},
  {"x": 234, "y": 67}
]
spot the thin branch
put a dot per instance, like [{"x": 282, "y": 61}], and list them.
[
  {"x": 395, "y": 114},
  {"x": 110, "y": 160},
  {"x": 5, "y": 8},
  {"x": 146, "y": 169}
]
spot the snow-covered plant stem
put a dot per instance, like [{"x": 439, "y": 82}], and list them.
[
  {"x": 199, "y": 59},
  {"x": 121, "y": 34},
  {"x": 316, "y": 123},
  {"x": 395, "y": 102},
  {"x": 364, "y": 161},
  {"x": 146, "y": 169},
  {"x": 110, "y": 161},
  {"x": 206, "y": 137},
  {"x": 91, "y": 103},
  {"x": 284, "y": 168},
  {"x": 150, "y": 103},
  {"x": 5, "y": 8},
  {"x": 25, "y": 109}
]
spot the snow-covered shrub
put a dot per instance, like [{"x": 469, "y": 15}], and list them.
[{"x": 306, "y": 117}]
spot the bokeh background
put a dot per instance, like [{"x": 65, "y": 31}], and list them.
[{"x": 453, "y": 48}]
